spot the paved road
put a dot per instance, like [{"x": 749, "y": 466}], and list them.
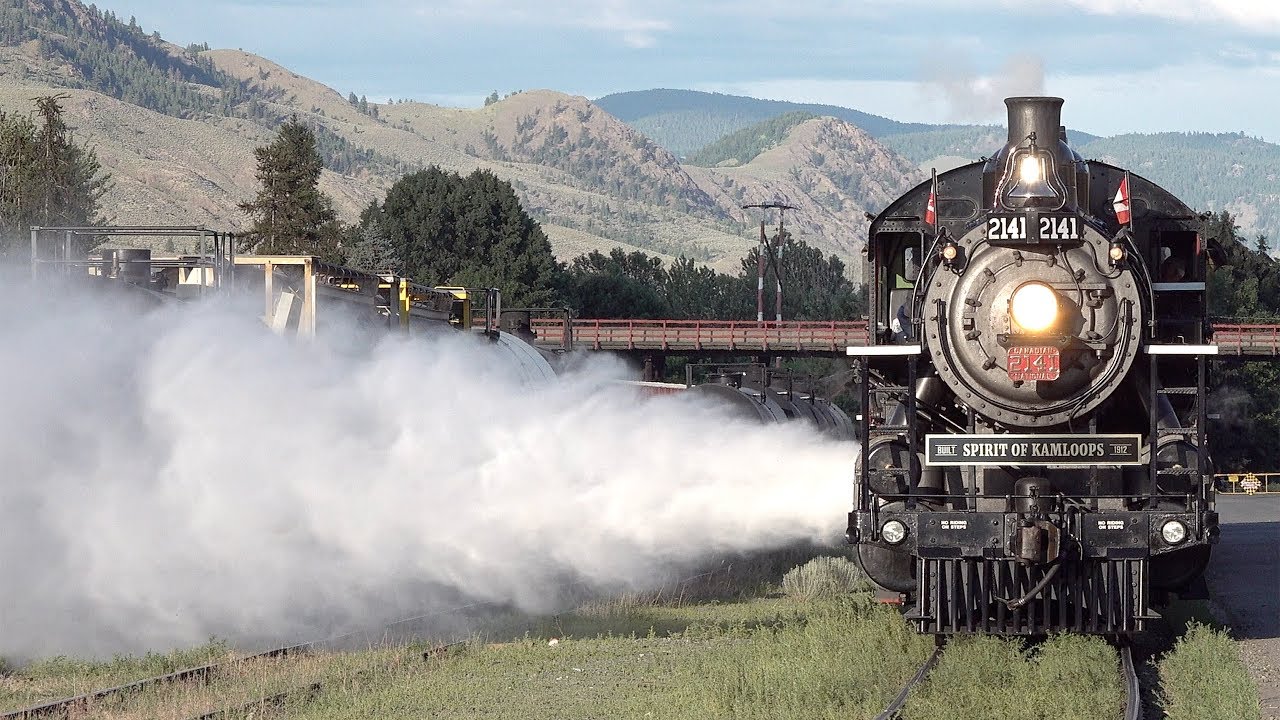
[{"x": 1244, "y": 579}]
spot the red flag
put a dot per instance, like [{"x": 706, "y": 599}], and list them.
[
  {"x": 1121, "y": 204},
  {"x": 930, "y": 210}
]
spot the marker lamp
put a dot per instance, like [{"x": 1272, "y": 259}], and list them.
[
  {"x": 1173, "y": 532},
  {"x": 1034, "y": 306},
  {"x": 893, "y": 531},
  {"x": 949, "y": 252},
  {"x": 1117, "y": 252}
]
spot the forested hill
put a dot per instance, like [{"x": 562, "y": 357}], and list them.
[
  {"x": 75, "y": 46},
  {"x": 1209, "y": 171},
  {"x": 65, "y": 44},
  {"x": 746, "y": 144},
  {"x": 686, "y": 120}
]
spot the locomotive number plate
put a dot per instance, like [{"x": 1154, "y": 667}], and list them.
[
  {"x": 1032, "y": 226},
  {"x": 1033, "y": 362}
]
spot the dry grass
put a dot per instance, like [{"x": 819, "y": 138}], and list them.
[
  {"x": 1203, "y": 678},
  {"x": 1068, "y": 677},
  {"x": 723, "y": 643}
]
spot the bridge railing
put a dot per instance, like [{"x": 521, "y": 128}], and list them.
[
  {"x": 1246, "y": 338},
  {"x": 1259, "y": 340},
  {"x": 822, "y": 336}
]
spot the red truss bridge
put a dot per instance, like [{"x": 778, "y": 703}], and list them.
[{"x": 1242, "y": 341}]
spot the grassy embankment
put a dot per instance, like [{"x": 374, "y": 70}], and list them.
[{"x": 813, "y": 651}]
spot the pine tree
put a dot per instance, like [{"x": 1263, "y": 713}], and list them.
[
  {"x": 290, "y": 214},
  {"x": 372, "y": 249},
  {"x": 45, "y": 177}
]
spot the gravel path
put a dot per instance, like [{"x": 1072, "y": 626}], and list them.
[{"x": 1244, "y": 580}]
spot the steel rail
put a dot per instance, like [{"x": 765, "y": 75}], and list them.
[
  {"x": 275, "y": 701},
  {"x": 891, "y": 711},
  {"x": 63, "y": 708},
  {"x": 1133, "y": 691},
  {"x": 305, "y": 692}
]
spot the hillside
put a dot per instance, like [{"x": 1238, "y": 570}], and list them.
[
  {"x": 1227, "y": 171},
  {"x": 1210, "y": 172},
  {"x": 684, "y": 121},
  {"x": 176, "y": 128}
]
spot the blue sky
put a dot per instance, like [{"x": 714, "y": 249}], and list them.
[{"x": 1122, "y": 65}]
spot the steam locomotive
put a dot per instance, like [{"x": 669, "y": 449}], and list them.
[{"x": 1034, "y": 391}]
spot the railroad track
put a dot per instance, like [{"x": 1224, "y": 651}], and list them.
[
  {"x": 892, "y": 712},
  {"x": 77, "y": 705},
  {"x": 64, "y": 707},
  {"x": 1133, "y": 690},
  {"x": 74, "y": 706}
]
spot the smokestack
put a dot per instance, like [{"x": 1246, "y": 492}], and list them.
[{"x": 1039, "y": 115}]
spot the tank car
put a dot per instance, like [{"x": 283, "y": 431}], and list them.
[
  {"x": 1034, "y": 391},
  {"x": 756, "y": 393}
]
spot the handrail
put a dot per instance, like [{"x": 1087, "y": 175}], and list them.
[{"x": 1238, "y": 339}]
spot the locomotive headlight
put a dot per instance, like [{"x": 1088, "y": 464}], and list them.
[
  {"x": 1034, "y": 306},
  {"x": 893, "y": 531},
  {"x": 1173, "y": 532}
]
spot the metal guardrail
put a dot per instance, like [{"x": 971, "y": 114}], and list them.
[
  {"x": 1246, "y": 338},
  {"x": 1248, "y": 483},
  {"x": 696, "y": 335},
  {"x": 1233, "y": 339}
]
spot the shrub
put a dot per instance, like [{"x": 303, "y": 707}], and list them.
[
  {"x": 824, "y": 577},
  {"x": 1203, "y": 678}
]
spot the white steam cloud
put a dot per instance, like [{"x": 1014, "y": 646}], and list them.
[
  {"x": 969, "y": 96},
  {"x": 181, "y": 473}
]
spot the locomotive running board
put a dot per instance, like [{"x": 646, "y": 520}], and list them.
[
  {"x": 1181, "y": 349},
  {"x": 868, "y": 350}
]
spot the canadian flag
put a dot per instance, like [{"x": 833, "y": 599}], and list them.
[
  {"x": 931, "y": 210},
  {"x": 1121, "y": 204}
]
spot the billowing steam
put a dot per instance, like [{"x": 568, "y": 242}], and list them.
[
  {"x": 182, "y": 473},
  {"x": 970, "y": 96}
]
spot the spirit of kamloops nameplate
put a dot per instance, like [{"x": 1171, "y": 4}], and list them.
[{"x": 1032, "y": 449}]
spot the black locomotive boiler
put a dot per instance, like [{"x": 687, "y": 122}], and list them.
[{"x": 1034, "y": 394}]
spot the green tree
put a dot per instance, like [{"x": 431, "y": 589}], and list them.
[
  {"x": 696, "y": 292},
  {"x": 616, "y": 285},
  {"x": 1244, "y": 285},
  {"x": 371, "y": 249},
  {"x": 472, "y": 231},
  {"x": 45, "y": 177},
  {"x": 291, "y": 216},
  {"x": 813, "y": 287}
]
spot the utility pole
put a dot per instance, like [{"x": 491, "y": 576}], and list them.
[{"x": 767, "y": 250}]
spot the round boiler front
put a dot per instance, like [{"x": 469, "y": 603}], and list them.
[{"x": 1033, "y": 335}]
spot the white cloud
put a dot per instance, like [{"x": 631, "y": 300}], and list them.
[
  {"x": 1251, "y": 15},
  {"x": 636, "y": 24}
]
